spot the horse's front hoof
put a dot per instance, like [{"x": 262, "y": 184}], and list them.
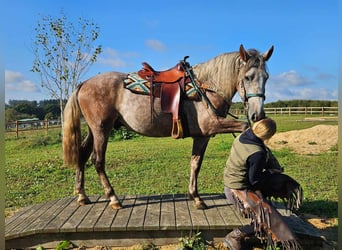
[
  {"x": 200, "y": 205},
  {"x": 115, "y": 205}
]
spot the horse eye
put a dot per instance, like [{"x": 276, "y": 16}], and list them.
[{"x": 248, "y": 78}]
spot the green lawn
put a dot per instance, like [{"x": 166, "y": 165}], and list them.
[{"x": 35, "y": 173}]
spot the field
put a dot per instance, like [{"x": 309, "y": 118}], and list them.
[{"x": 35, "y": 173}]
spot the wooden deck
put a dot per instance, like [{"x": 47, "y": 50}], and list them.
[{"x": 158, "y": 219}]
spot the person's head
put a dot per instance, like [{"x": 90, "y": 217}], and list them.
[{"x": 264, "y": 129}]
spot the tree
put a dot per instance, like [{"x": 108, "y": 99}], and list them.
[{"x": 63, "y": 54}]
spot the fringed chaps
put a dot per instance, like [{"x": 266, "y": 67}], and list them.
[{"x": 268, "y": 222}]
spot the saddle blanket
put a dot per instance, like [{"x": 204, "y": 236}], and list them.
[{"x": 138, "y": 85}]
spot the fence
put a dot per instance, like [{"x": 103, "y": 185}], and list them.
[
  {"x": 330, "y": 111},
  {"x": 31, "y": 124},
  {"x": 323, "y": 111},
  {"x": 35, "y": 124}
]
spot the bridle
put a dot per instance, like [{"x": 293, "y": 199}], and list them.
[{"x": 245, "y": 96}]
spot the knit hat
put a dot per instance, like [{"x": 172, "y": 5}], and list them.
[{"x": 264, "y": 129}]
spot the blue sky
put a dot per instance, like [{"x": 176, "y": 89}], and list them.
[{"x": 304, "y": 64}]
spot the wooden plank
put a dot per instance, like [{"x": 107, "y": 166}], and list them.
[
  {"x": 230, "y": 218},
  {"x": 107, "y": 217},
  {"x": 56, "y": 223},
  {"x": 71, "y": 224},
  {"x": 152, "y": 215},
  {"x": 92, "y": 228},
  {"x": 198, "y": 219},
  {"x": 137, "y": 218},
  {"x": 183, "y": 219},
  {"x": 89, "y": 221},
  {"x": 11, "y": 219},
  {"x": 37, "y": 226},
  {"x": 167, "y": 213},
  {"x": 122, "y": 217},
  {"x": 19, "y": 217},
  {"x": 212, "y": 214},
  {"x": 34, "y": 213}
]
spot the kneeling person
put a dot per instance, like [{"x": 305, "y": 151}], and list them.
[{"x": 251, "y": 176}]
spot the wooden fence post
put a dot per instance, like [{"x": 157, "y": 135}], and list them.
[
  {"x": 17, "y": 128},
  {"x": 46, "y": 125}
]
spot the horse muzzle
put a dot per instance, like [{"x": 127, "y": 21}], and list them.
[{"x": 255, "y": 116}]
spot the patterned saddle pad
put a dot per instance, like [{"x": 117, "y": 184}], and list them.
[{"x": 138, "y": 85}]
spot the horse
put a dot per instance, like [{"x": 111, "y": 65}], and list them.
[{"x": 104, "y": 103}]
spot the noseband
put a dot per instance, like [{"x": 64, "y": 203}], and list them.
[
  {"x": 245, "y": 96},
  {"x": 249, "y": 95}
]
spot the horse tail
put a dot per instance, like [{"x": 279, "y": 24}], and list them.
[{"x": 72, "y": 131}]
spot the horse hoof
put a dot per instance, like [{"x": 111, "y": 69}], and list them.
[
  {"x": 116, "y": 205},
  {"x": 200, "y": 205},
  {"x": 83, "y": 202}
]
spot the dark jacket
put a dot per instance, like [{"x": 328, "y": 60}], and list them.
[{"x": 247, "y": 163}]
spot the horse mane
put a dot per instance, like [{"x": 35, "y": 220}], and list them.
[{"x": 220, "y": 72}]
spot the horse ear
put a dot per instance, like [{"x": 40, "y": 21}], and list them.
[
  {"x": 243, "y": 53},
  {"x": 268, "y": 53}
]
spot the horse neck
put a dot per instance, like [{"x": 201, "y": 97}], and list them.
[{"x": 220, "y": 73}]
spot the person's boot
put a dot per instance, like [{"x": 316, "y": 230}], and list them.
[{"x": 233, "y": 239}]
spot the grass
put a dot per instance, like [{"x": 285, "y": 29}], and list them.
[{"x": 35, "y": 173}]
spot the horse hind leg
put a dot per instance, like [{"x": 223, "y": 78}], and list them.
[
  {"x": 100, "y": 146},
  {"x": 84, "y": 153}
]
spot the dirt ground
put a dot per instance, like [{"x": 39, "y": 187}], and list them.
[{"x": 320, "y": 138}]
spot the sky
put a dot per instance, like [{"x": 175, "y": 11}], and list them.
[{"x": 304, "y": 64}]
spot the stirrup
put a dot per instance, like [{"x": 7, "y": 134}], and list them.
[{"x": 177, "y": 129}]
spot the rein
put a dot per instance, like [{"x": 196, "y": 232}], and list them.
[{"x": 190, "y": 73}]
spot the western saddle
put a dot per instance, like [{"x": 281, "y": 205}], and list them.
[
  {"x": 171, "y": 83},
  {"x": 172, "y": 75}
]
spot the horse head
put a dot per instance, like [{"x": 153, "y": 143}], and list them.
[{"x": 252, "y": 79}]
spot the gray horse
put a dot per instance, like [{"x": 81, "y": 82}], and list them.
[{"x": 104, "y": 102}]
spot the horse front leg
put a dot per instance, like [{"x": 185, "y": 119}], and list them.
[
  {"x": 224, "y": 125},
  {"x": 198, "y": 150}
]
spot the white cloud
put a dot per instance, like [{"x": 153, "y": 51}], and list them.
[
  {"x": 280, "y": 92},
  {"x": 290, "y": 78},
  {"x": 115, "y": 59},
  {"x": 111, "y": 58},
  {"x": 15, "y": 81},
  {"x": 155, "y": 45},
  {"x": 291, "y": 85},
  {"x": 317, "y": 94}
]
